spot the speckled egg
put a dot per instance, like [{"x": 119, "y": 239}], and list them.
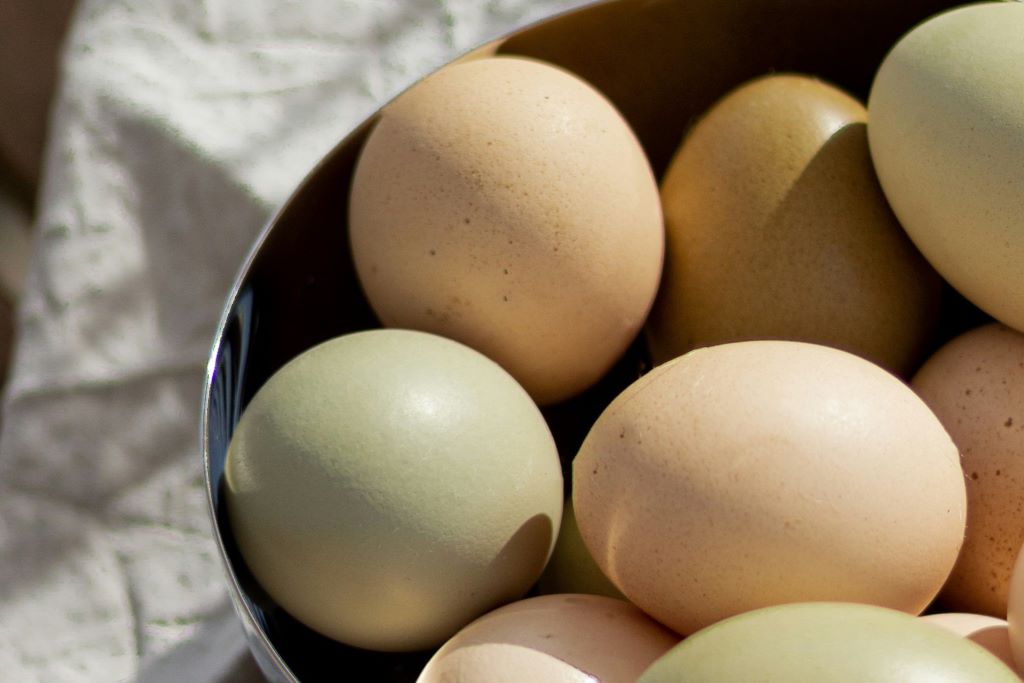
[
  {"x": 776, "y": 228},
  {"x": 505, "y": 203},
  {"x": 975, "y": 385},
  {"x": 756, "y": 473}
]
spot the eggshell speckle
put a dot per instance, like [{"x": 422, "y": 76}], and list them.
[
  {"x": 947, "y": 139},
  {"x": 555, "y": 639},
  {"x": 975, "y": 385},
  {"x": 757, "y": 473},
  {"x": 387, "y": 487},
  {"x": 506, "y": 204},
  {"x": 776, "y": 228}
]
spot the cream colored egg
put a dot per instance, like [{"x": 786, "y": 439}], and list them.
[
  {"x": 975, "y": 385},
  {"x": 757, "y": 473},
  {"x": 553, "y": 639},
  {"x": 947, "y": 139},
  {"x": 989, "y": 632},
  {"x": 776, "y": 228},
  {"x": 1015, "y": 612},
  {"x": 387, "y": 487},
  {"x": 506, "y": 204}
]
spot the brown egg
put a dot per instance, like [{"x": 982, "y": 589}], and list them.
[
  {"x": 555, "y": 639},
  {"x": 776, "y": 228},
  {"x": 989, "y": 632},
  {"x": 506, "y": 204},
  {"x": 758, "y": 473},
  {"x": 975, "y": 385}
]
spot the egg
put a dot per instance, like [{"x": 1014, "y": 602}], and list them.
[
  {"x": 506, "y": 204},
  {"x": 975, "y": 385},
  {"x": 555, "y": 639},
  {"x": 756, "y": 473},
  {"x": 989, "y": 632},
  {"x": 1015, "y": 612},
  {"x": 571, "y": 568},
  {"x": 776, "y": 228},
  {"x": 947, "y": 137},
  {"x": 387, "y": 487},
  {"x": 834, "y": 642}
]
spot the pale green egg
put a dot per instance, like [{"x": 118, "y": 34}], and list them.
[
  {"x": 946, "y": 133},
  {"x": 572, "y": 568},
  {"x": 822, "y": 642},
  {"x": 387, "y": 487}
]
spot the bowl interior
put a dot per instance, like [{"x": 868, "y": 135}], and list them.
[{"x": 662, "y": 62}]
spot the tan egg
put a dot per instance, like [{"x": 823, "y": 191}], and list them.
[
  {"x": 975, "y": 385},
  {"x": 758, "y": 473},
  {"x": 571, "y": 569},
  {"x": 989, "y": 632},
  {"x": 506, "y": 204},
  {"x": 947, "y": 139},
  {"x": 555, "y": 639},
  {"x": 776, "y": 228}
]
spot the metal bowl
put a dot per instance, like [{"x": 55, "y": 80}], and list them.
[{"x": 662, "y": 62}]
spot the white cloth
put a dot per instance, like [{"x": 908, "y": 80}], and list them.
[{"x": 178, "y": 126}]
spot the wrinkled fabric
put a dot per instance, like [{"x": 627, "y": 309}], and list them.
[{"x": 178, "y": 127}]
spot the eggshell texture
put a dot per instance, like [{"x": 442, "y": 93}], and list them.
[
  {"x": 505, "y": 203},
  {"x": 776, "y": 228},
  {"x": 571, "y": 568},
  {"x": 554, "y": 639},
  {"x": 989, "y": 632},
  {"x": 947, "y": 139},
  {"x": 756, "y": 473},
  {"x": 975, "y": 385},
  {"x": 387, "y": 487},
  {"x": 834, "y": 642}
]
